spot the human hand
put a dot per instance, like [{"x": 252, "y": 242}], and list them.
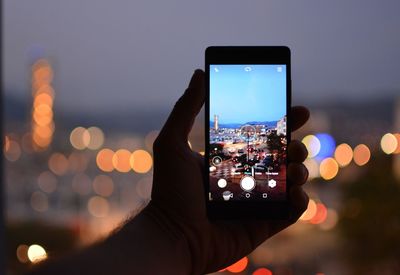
[{"x": 178, "y": 204}]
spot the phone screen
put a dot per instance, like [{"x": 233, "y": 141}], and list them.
[{"x": 247, "y": 133}]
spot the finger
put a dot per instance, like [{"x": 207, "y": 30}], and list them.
[
  {"x": 299, "y": 202},
  {"x": 299, "y": 115},
  {"x": 297, "y": 151},
  {"x": 297, "y": 173},
  {"x": 182, "y": 117}
]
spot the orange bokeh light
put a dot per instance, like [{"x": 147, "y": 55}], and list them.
[
  {"x": 397, "y": 151},
  {"x": 328, "y": 168},
  {"x": 362, "y": 154},
  {"x": 43, "y": 99},
  {"x": 58, "y": 164},
  {"x": 121, "y": 160},
  {"x": 239, "y": 266},
  {"x": 103, "y": 185},
  {"x": 43, "y": 89},
  {"x": 310, "y": 211},
  {"x": 39, "y": 141},
  {"x": 343, "y": 154},
  {"x": 262, "y": 271},
  {"x": 321, "y": 214},
  {"x": 44, "y": 131},
  {"x": 141, "y": 161},
  {"x": 42, "y": 120},
  {"x": 6, "y": 145},
  {"x": 104, "y": 160},
  {"x": 42, "y": 72}
]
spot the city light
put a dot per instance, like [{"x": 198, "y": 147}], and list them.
[
  {"x": 327, "y": 145},
  {"x": 312, "y": 167},
  {"x": 320, "y": 215},
  {"x": 312, "y": 144},
  {"x": 343, "y": 154},
  {"x": 310, "y": 211},
  {"x": 47, "y": 182},
  {"x": 362, "y": 154},
  {"x": 58, "y": 164},
  {"x": 331, "y": 219},
  {"x": 79, "y": 138},
  {"x": 237, "y": 267},
  {"x": 39, "y": 201},
  {"x": 103, "y": 185},
  {"x": 121, "y": 160},
  {"x": 6, "y": 144},
  {"x": 13, "y": 151},
  {"x": 328, "y": 168},
  {"x": 397, "y": 151},
  {"x": 22, "y": 253},
  {"x": 36, "y": 253},
  {"x": 141, "y": 161},
  {"x": 262, "y": 271},
  {"x": 96, "y": 138},
  {"x": 104, "y": 160},
  {"x": 98, "y": 207},
  {"x": 42, "y": 111},
  {"x": 78, "y": 162},
  {"x": 389, "y": 143}
]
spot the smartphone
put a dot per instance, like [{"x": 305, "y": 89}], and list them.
[{"x": 247, "y": 123}]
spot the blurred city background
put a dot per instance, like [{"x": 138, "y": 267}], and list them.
[{"x": 88, "y": 85}]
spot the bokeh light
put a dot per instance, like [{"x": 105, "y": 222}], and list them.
[
  {"x": 362, "y": 154},
  {"x": 389, "y": 143},
  {"x": 141, "y": 161},
  {"x": 397, "y": 151},
  {"x": 103, "y": 185},
  {"x": 328, "y": 145},
  {"x": 58, "y": 164},
  {"x": 39, "y": 201},
  {"x": 343, "y": 154},
  {"x": 262, "y": 271},
  {"x": 96, "y": 138},
  {"x": 78, "y": 162},
  {"x": 121, "y": 160},
  {"x": 6, "y": 144},
  {"x": 104, "y": 160},
  {"x": 98, "y": 207},
  {"x": 312, "y": 167},
  {"x": 328, "y": 168},
  {"x": 331, "y": 219},
  {"x": 22, "y": 253},
  {"x": 320, "y": 215},
  {"x": 47, "y": 182},
  {"x": 13, "y": 152},
  {"x": 79, "y": 138},
  {"x": 312, "y": 144},
  {"x": 239, "y": 266},
  {"x": 43, "y": 99},
  {"x": 310, "y": 211},
  {"x": 36, "y": 253}
]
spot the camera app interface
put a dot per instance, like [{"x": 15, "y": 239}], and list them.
[{"x": 248, "y": 145}]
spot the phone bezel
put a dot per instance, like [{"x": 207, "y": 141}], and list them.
[{"x": 246, "y": 55}]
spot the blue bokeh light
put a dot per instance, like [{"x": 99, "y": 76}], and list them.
[{"x": 328, "y": 145}]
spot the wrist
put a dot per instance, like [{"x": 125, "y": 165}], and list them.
[{"x": 163, "y": 246}]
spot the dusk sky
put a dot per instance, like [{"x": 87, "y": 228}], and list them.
[
  {"x": 240, "y": 96},
  {"x": 120, "y": 55}
]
